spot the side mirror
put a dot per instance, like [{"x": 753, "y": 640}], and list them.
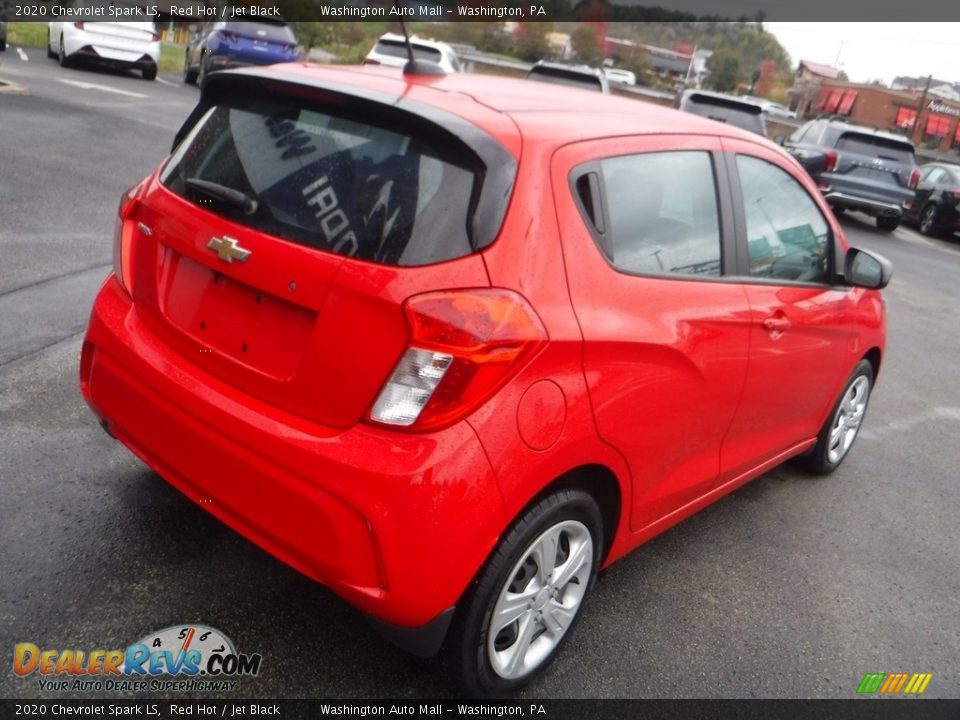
[{"x": 865, "y": 269}]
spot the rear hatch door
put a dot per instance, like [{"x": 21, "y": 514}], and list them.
[{"x": 293, "y": 295}]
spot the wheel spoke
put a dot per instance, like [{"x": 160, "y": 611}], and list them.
[
  {"x": 545, "y": 555},
  {"x": 510, "y": 609},
  {"x": 572, "y": 566},
  {"x": 518, "y": 651},
  {"x": 557, "y": 618}
]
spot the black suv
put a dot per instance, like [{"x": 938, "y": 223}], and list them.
[{"x": 858, "y": 168}]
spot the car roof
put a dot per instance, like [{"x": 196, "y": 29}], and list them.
[
  {"x": 507, "y": 108},
  {"x": 865, "y": 130}
]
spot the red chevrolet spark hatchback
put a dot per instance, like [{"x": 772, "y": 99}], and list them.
[{"x": 451, "y": 345}]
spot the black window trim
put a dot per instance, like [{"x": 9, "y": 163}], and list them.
[
  {"x": 728, "y": 245},
  {"x": 740, "y": 221}
]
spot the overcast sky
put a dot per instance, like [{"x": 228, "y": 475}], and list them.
[{"x": 867, "y": 51}]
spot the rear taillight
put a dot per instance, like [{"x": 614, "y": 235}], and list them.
[
  {"x": 78, "y": 25},
  {"x": 955, "y": 194},
  {"x": 155, "y": 37},
  {"x": 830, "y": 161},
  {"x": 914, "y": 178},
  {"x": 464, "y": 345},
  {"x": 124, "y": 239}
]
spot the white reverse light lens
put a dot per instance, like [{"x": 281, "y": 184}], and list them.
[{"x": 410, "y": 387}]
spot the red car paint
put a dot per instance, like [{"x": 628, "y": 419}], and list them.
[{"x": 249, "y": 385}]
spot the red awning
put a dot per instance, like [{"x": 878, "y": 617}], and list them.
[
  {"x": 846, "y": 105},
  {"x": 833, "y": 102},
  {"x": 906, "y": 118},
  {"x": 938, "y": 126}
]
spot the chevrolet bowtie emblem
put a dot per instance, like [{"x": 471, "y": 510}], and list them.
[{"x": 228, "y": 249}]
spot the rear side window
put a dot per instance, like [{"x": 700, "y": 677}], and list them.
[
  {"x": 336, "y": 183},
  {"x": 878, "y": 147},
  {"x": 663, "y": 213}
]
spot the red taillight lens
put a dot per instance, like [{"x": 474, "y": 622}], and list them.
[
  {"x": 155, "y": 37},
  {"x": 830, "y": 161},
  {"x": 464, "y": 346},
  {"x": 125, "y": 237},
  {"x": 914, "y": 178},
  {"x": 955, "y": 194},
  {"x": 78, "y": 25}
]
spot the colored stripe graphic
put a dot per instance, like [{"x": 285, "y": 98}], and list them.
[{"x": 894, "y": 683}]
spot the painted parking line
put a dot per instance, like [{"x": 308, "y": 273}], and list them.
[
  {"x": 22, "y": 54},
  {"x": 167, "y": 82},
  {"x": 104, "y": 88}
]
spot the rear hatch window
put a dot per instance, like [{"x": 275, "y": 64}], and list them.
[
  {"x": 876, "y": 147},
  {"x": 276, "y": 32},
  {"x": 562, "y": 76},
  {"x": 342, "y": 183},
  {"x": 739, "y": 114},
  {"x": 398, "y": 49}
]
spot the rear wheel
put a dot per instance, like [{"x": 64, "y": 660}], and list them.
[
  {"x": 525, "y": 601},
  {"x": 928, "y": 220},
  {"x": 888, "y": 224},
  {"x": 189, "y": 76},
  {"x": 150, "y": 72},
  {"x": 838, "y": 433}
]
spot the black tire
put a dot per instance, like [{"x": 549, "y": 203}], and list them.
[
  {"x": 149, "y": 72},
  {"x": 189, "y": 76},
  {"x": 467, "y": 654},
  {"x": 202, "y": 71},
  {"x": 62, "y": 55},
  {"x": 822, "y": 460},
  {"x": 928, "y": 221},
  {"x": 3, "y": 45},
  {"x": 888, "y": 224},
  {"x": 50, "y": 52}
]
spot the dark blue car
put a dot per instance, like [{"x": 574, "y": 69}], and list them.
[{"x": 223, "y": 45}]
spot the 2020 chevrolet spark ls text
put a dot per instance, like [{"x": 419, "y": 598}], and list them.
[{"x": 451, "y": 345}]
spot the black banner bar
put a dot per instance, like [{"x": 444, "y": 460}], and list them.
[{"x": 241, "y": 709}]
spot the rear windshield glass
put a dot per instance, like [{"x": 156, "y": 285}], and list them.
[
  {"x": 395, "y": 48},
  {"x": 566, "y": 77},
  {"x": 741, "y": 115},
  {"x": 335, "y": 183},
  {"x": 878, "y": 147},
  {"x": 273, "y": 31}
]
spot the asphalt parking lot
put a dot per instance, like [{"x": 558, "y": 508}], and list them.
[{"x": 790, "y": 587}]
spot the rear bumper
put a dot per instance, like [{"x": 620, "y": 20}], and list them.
[
  {"x": 396, "y": 524},
  {"x": 111, "y": 49},
  {"x": 868, "y": 205}
]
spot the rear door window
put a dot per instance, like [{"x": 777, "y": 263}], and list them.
[
  {"x": 663, "y": 215},
  {"x": 341, "y": 184}
]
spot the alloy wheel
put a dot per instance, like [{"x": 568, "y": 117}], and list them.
[{"x": 848, "y": 419}]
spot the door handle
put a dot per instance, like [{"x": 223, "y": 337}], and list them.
[{"x": 776, "y": 326}]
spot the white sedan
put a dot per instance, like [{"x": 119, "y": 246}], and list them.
[{"x": 120, "y": 44}]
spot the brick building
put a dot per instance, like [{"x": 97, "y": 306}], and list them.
[{"x": 934, "y": 126}]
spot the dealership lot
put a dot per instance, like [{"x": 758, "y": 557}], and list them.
[{"x": 791, "y": 587}]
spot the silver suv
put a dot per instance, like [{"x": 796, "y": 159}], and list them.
[{"x": 858, "y": 168}]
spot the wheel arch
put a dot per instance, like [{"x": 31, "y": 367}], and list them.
[{"x": 873, "y": 356}]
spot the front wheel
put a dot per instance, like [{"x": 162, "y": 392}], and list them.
[
  {"x": 523, "y": 604},
  {"x": 888, "y": 224},
  {"x": 838, "y": 433}
]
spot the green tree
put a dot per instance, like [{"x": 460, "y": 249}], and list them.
[
  {"x": 531, "y": 41},
  {"x": 724, "y": 67},
  {"x": 586, "y": 45}
]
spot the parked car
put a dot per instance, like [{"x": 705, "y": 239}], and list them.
[
  {"x": 618, "y": 75},
  {"x": 126, "y": 44},
  {"x": 726, "y": 109},
  {"x": 936, "y": 208},
  {"x": 223, "y": 45},
  {"x": 770, "y": 108},
  {"x": 391, "y": 50},
  {"x": 859, "y": 168},
  {"x": 451, "y": 379},
  {"x": 581, "y": 76}
]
